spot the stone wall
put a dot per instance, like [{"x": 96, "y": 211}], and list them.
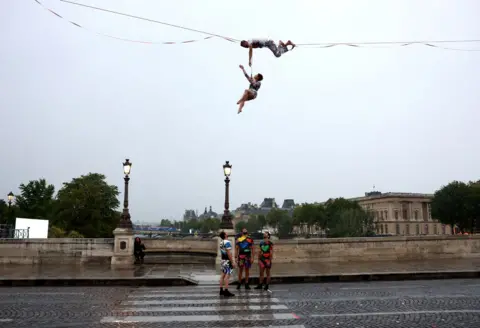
[
  {"x": 377, "y": 249},
  {"x": 66, "y": 250},
  {"x": 56, "y": 251},
  {"x": 184, "y": 245}
]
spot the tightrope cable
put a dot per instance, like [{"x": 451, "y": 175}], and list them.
[{"x": 149, "y": 20}]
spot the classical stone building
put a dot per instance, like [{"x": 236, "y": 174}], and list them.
[
  {"x": 398, "y": 213},
  {"x": 189, "y": 215},
  {"x": 210, "y": 214},
  {"x": 245, "y": 211}
]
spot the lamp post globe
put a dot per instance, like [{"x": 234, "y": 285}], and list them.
[
  {"x": 127, "y": 166},
  {"x": 10, "y": 197},
  {"x": 227, "y": 169}
]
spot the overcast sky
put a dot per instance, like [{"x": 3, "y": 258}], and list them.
[{"x": 326, "y": 123}]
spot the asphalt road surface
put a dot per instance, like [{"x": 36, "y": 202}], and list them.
[{"x": 429, "y": 304}]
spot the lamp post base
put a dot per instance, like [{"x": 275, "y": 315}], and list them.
[{"x": 123, "y": 247}]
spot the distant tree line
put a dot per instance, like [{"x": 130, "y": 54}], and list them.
[
  {"x": 335, "y": 218},
  {"x": 84, "y": 207}
]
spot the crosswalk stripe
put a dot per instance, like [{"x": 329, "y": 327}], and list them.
[
  {"x": 213, "y": 301},
  {"x": 203, "y": 318},
  {"x": 206, "y": 308},
  {"x": 177, "y": 289},
  {"x": 136, "y": 295}
]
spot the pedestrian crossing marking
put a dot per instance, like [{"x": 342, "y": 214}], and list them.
[
  {"x": 201, "y": 304},
  {"x": 212, "y": 301},
  {"x": 200, "y": 318},
  {"x": 206, "y": 308}
]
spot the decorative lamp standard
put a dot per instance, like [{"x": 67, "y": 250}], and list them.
[
  {"x": 227, "y": 217},
  {"x": 125, "y": 221},
  {"x": 10, "y": 197}
]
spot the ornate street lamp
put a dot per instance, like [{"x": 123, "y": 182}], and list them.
[
  {"x": 227, "y": 217},
  {"x": 125, "y": 221},
  {"x": 10, "y": 197}
]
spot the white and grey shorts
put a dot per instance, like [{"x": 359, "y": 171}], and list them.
[{"x": 277, "y": 50}]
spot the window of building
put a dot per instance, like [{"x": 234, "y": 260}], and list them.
[
  {"x": 405, "y": 214},
  {"x": 415, "y": 214},
  {"x": 386, "y": 215},
  {"x": 407, "y": 229},
  {"x": 381, "y": 214},
  {"x": 444, "y": 229},
  {"x": 417, "y": 229},
  {"x": 395, "y": 214},
  {"x": 381, "y": 229},
  {"x": 426, "y": 229},
  {"x": 435, "y": 229},
  {"x": 397, "y": 228},
  {"x": 386, "y": 228}
]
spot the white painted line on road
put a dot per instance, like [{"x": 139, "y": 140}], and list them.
[
  {"x": 365, "y": 314},
  {"x": 203, "y": 318},
  {"x": 214, "y": 301},
  {"x": 376, "y": 298},
  {"x": 206, "y": 308},
  {"x": 178, "y": 289},
  {"x": 290, "y": 326},
  {"x": 137, "y": 295},
  {"x": 386, "y": 287},
  {"x": 6, "y": 320},
  {"x": 40, "y": 293}
]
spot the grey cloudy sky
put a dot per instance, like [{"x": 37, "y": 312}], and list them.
[{"x": 327, "y": 122}]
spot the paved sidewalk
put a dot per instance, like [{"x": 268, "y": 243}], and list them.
[{"x": 196, "y": 274}]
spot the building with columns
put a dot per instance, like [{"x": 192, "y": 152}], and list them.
[{"x": 403, "y": 214}]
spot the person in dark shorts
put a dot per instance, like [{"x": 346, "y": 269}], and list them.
[
  {"x": 265, "y": 258},
  {"x": 277, "y": 50},
  {"x": 138, "y": 250},
  {"x": 245, "y": 253},
  {"x": 226, "y": 264},
  {"x": 251, "y": 92}
]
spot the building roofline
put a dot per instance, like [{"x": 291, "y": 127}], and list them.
[{"x": 392, "y": 195}]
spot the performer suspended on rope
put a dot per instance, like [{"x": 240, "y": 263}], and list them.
[
  {"x": 266, "y": 43},
  {"x": 251, "y": 92}
]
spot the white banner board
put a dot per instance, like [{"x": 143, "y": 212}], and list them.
[{"x": 38, "y": 228}]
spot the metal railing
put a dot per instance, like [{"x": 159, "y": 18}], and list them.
[{"x": 8, "y": 232}]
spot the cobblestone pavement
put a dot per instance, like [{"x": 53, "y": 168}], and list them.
[{"x": 428, "y": 304}]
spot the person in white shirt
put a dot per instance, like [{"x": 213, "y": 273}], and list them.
[{"x": 227, "y": 264}]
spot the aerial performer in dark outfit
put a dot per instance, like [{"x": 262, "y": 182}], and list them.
[
  {"x": 251, "y": 92},
  {"x": 266, "y": 43}
]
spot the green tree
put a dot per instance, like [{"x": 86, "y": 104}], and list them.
[
  {"x": 262, "y": 221},
  {"x": 350, "y": 223},
  {"x": 474, "y": 206},
  {"x": 240, "y": 225},
  {"x": 87, "y": 205},
  {"x": 3, "y": 211},
  {"x": 210, "y": 225},
  {"x": 276, "y": 218},
  {"x": 166, "y": 223},
  {"x": 285, "y": 225},
  {"x": 36, "y": 200},
  {"x": 310, "y": 215},
  {"x": 450, "y": 205}
]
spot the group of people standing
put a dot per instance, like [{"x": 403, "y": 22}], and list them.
[{"x": 244, "y": 258}]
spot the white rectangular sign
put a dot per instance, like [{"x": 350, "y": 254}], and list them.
[{"x": 38, "y": 228}]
